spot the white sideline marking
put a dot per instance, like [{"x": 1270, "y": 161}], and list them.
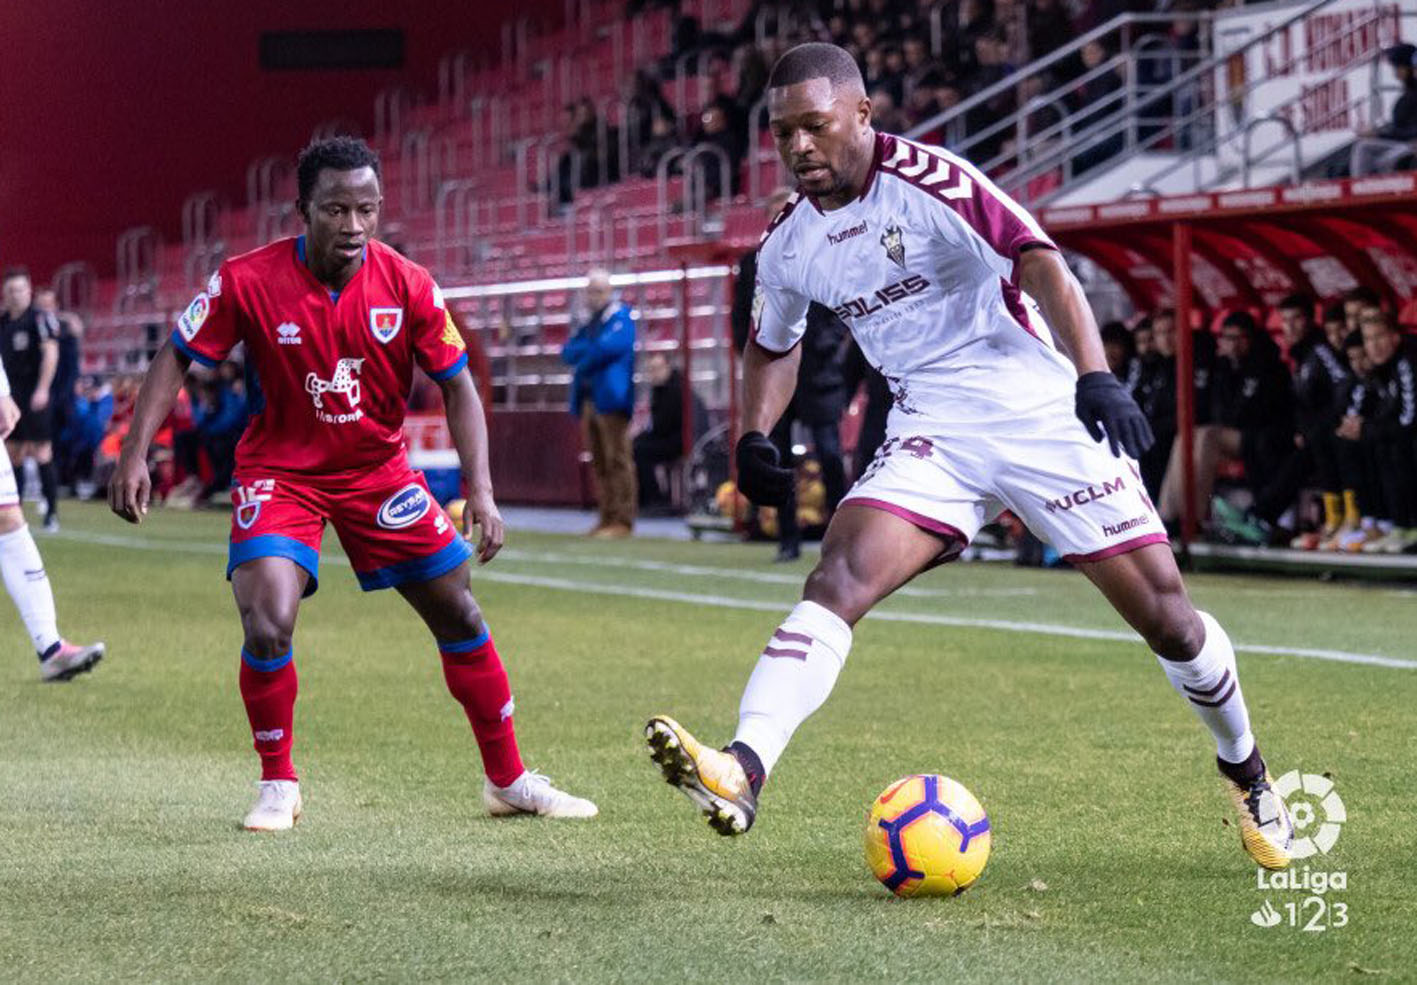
[
  {"x": 764, "y": 577},
  {"x": 756, "y": 605}
]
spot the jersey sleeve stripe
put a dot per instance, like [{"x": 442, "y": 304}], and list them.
[
  {"x": 456, "y": 367},
  {"x": 780, "y": 218},
  {"x": 181, "y": 346},
  {"x": 953, "y": 182}
]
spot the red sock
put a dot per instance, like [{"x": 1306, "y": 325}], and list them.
[
  {"x": 477, "y": 679},
  {"x": 268, "y": 688}
]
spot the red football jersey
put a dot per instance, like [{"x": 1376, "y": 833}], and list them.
[{"x": 328, "y": 375}]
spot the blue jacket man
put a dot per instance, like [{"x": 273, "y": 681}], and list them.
[{"x": 602, "y": 353}]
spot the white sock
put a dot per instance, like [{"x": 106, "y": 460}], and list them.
[
  {"x": 792, "y": 679},
  {"x": 1212, "y": 685},
  {"x": 28, "y": 585}
]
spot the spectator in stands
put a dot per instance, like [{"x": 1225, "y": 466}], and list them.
[
  {"x": 1393, "y": 144},
  {"x": 886, "y": 116},
  {"x": 645, "y": 107},
  {"x": 1251, "y": 419},
  {"x": 1357, "y": 459},
  {"x": 662, "y": 442},
  {"x": 29, "y": 346},
  {"x": 1390, "y": 430},
  {"x": 991, "y": 66},
  {"x": 1335, "y": 327},
  {"x": 92, "y": 410},
  {"x": 718, "y": 131},
  {"x": 1156, "y": 395},
  {"x": 602, "y": 353},
  {"x": 1354, "y": 303},
  {"x": 1141, "y": 339},
  {"x": 662, "y": 140},
  {"x": 1095, "y": 94},
  {"x": 1322, "y": 382},
  {"x": 1047, "y": 26},
  {"x": 885, "y": 72},
  {"x": 1121, "y": 352},
  {"x": 218, "y": 418}
]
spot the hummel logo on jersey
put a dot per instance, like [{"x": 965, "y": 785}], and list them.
[
  {"x": 288, "y": 333},
  {"x": 847, "y": 233},
  {"x": 894, "y": 243},
  {"x": 890, "y": 294}
]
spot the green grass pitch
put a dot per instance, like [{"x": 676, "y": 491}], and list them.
[{"x": 1113, "y": 861}]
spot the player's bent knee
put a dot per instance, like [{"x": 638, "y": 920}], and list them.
[
  {"x": 267, "y": 636},
  {"x": 835, "y": 585},
  {"x": 1175, "y": 631}
]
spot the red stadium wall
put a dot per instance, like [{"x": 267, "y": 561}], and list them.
[{"x": 111, "y": 113}]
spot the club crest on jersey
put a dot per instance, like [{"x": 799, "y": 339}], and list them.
[
  {"x": 385, "y": 323},
  {"x": 894, "y": 243},
  {"x": 404, "y": 508},
  {"x": 214, "y": 285},
  {"x": 248, "y": 499},
  {"x": 190, "y": 322}
]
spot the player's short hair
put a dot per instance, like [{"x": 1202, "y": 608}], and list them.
[
  {"x": 816, "y": 60},
  {"x": 342, "y": 153},
  {"x": 1334, "y": 312},
  {"x": 11, "y": 273},
  {"x": 1297, "y": 302}
]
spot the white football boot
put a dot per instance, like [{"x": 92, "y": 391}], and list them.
[
  {"x": 277, "y": 808},
  {"x": 532, "y": 793},
  {"x": 70, "y": 660}
]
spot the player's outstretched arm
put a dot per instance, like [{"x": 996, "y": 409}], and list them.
[
  {"x": 130, "y": 487},
  {"x": 1103, "y": 405},
  {"x": 469, "y": 430},
  {"x": 769, "y": 380}
]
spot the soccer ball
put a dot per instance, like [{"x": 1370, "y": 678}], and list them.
[
  {"x": 927, "y": 836},
  {"x": 454, "y": 508}
]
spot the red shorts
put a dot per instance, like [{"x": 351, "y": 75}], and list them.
[{"x": 388, "y": 523}]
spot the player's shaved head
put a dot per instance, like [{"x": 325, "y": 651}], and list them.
[
  {"x": 821, "y": 121},
  {"x": 818, "y": 60}
]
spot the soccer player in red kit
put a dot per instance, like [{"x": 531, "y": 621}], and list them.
[{"x": 333, "y": 323}]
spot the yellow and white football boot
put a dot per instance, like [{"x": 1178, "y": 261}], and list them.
[
  {"x": 1266, "y": 830},
  {"x": 714, "y": 780}
]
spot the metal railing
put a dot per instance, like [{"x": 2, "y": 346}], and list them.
[
  {"x": 75, "y": 285},
  {"x": 137, "y": 255},
  {"x": 694, "y": 200},
  {"x": 266, "y": 177}
]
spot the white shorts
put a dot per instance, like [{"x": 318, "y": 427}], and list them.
[
  {"x": 1068, "y": 489},
  {"x": 9, "y": 494}
]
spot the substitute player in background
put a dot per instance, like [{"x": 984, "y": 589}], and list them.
[
  {"x": 937, "y": 274},
  {"x": 23, "y": 570},
  {"x": 333, "y": 322}
]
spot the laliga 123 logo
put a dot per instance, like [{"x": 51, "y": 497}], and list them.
[{"x": 1318, "y": 815}]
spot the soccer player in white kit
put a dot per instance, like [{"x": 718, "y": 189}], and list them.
[
  {"x": 1002, "y": 401},
  {"x": 23, "y": 570}
]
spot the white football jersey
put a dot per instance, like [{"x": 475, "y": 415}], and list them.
[{"x": 922, "y": 269}]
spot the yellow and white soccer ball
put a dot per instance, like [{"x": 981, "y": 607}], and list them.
[
  {"x": 454, "y": 508},
  {"x": 927, "y": 836}
]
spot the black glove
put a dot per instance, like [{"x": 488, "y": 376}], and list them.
[
  {"x": 1103, "y": 406},
  {"x": 760, "y": 478}
]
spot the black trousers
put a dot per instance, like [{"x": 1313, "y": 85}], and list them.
[{"x": 826, "y": 442}]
